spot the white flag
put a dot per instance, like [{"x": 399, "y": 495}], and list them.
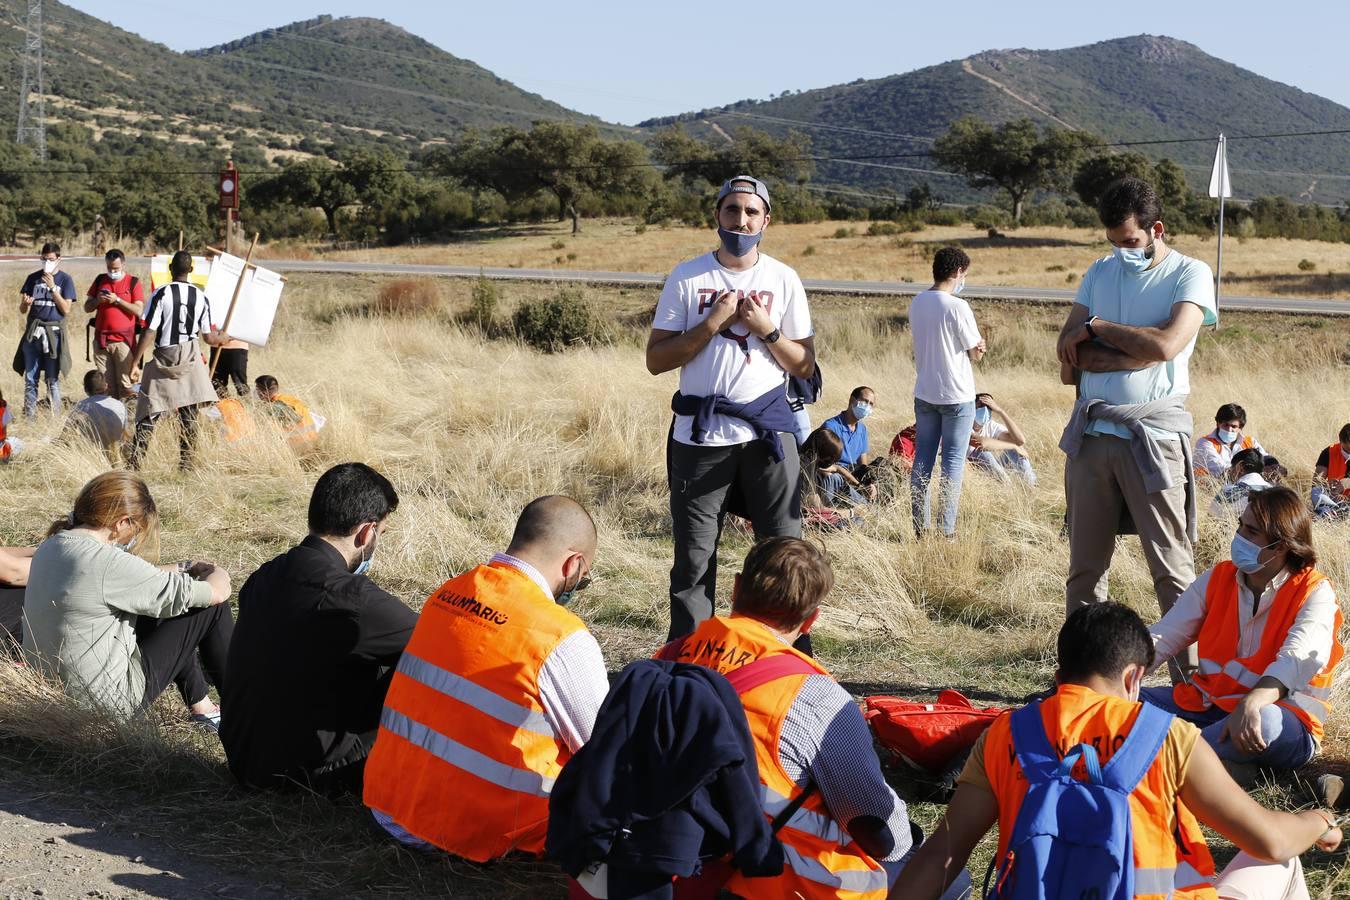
[{"x": 1219, "y": 183}]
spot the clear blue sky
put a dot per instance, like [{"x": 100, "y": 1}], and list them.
[{"x": 627, "y": 61}]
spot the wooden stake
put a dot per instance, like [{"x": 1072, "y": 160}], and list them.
[
  {"x": 229, "y": 314},
  {"x": 180, "y": 239}
]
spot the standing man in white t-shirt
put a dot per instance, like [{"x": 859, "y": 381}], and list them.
[
  {"x": 946, "y": 343},
  {"x": 1127, "y": 344},
  {"x": 735, "y": 323}
]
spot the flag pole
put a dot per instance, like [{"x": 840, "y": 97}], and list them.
[{"x": 1223, "y": 191}]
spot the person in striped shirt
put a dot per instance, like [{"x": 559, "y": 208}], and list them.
[{"x": 175, "y": 379}]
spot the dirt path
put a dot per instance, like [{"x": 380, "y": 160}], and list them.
[
  {"x": 970, "y": 70},
  {"x": 51, "y": 847}
]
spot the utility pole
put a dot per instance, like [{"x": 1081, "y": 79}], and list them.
[{"x": 33, "y": 117}]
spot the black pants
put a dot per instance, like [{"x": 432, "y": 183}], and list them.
[
  {"x": 187, "y": 437},
  {"x": 174, "y": 651},
  {"x": 233, "y": 366},
  {"x": 11, "y": 621},
  {"x": 706, "y": 483}
]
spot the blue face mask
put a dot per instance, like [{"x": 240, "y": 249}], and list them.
[
  {"x": 1246, "y": 555},
  {"x": 737, "y": 243},
  {"x": 1135, "y": 261},
  {"x": 364, "y": 565},
  {"x": 126, "y": 548},
  {"x": 1228, "y": 435},
  {"x": 982, "y": 416},
  {"x": 861, "y": 410},
  {"x": 570, "y": 594}
]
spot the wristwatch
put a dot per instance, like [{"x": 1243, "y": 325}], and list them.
[
  {"x": 772, "y": 337},
  {"x": 1088, "y": 325}
]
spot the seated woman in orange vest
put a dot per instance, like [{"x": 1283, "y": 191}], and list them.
[
  {"x": 1331, "y": 487},
  {"x": 1104, "y": 651},
  {"x": 301, "y": 425},
  {"x": 496, "y": 689},
  {"x": 1214, "y": 451},
  {"x": 1267, "y": 623},
  {"x": 852, "y": 834}
]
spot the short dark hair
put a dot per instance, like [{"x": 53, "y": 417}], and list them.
[
  {"x": 50, "y": 247},
  {"x": 95, "y": 382},
  {"x": 1102, "y": 639},
  {"x": 1126, "y": 197},
  {"x": 1230, "y": 411},
  {"x": 181, "y": 264},
  {"x": 858, "y": 392},
  {"x": 114, "y": 254},
  {"x": 1249, "y": 460},
  {"x": 347, "y": 496},
  {"x": 783, "y": 581},
  {"x": 947, "y": 260},
  {"x": 266, "y": 383},
  {"x": 1345, "y": 433}
]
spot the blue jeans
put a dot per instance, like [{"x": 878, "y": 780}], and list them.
[
  {"x": 949, "y": 423},
  {"x": 1000, "y": 464},
  {"x": 1288, "y": 743},
  {"x": 36, "y": 363},
  {"x": 836, "y": 492}
]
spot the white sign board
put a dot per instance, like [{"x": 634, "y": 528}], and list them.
[{"x": 258, "y": 300}]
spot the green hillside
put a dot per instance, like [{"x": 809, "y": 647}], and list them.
[{"x": 1140, "y": 88}]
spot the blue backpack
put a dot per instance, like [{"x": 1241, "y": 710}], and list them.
[{"x": 1073, "y": 839}]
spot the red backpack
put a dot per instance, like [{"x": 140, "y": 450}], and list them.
[
  {"x": 928, "y": 736},
  {"x": 902, "y": 447}
]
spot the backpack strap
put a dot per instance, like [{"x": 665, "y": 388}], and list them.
[
  {"x": 1035, "y": 754},
  {"x": 770, "y": 668},
  {"x": 1129, "y": 764}
]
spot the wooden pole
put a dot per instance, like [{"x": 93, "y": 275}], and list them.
[
  {"x": 180, "y": 239},
  {"x": 229, "y": 313}
]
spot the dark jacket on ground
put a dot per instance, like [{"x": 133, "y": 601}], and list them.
[
  {"x": 668, "y": 778},
  {"x": 311, "y": 658}
]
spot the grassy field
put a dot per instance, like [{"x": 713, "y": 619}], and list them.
[
  {"x": 471, "y": 426},
  {"x": 1027, "y": 257}
]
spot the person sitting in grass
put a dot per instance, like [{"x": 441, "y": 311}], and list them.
[
  {"x": 9, "y": 446},
  {"x": 833, "y": 480},
  {"x": 852, "y": 431},
  {"x": 99, "y": 417},
  {"x": 1247, "y": 474},
  {"x": 1179, "y": 784},
  {"x": 998, "y": 448},
  {"x": 1214, "y": 452},
  {"x": 1331, "y": 486},
  {"x": 1268, "y": 624},
  {"x": 295, "y": 418},
  {"x": 115, "y": 629}
]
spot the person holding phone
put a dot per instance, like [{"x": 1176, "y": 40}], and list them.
[
  {"x": 45, "y": 300},
  {"x": 117, "y": 299}
]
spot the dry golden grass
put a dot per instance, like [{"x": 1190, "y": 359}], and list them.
[
  {"x": 470, "y": 429},
  {"x": 1027, "y": 257}
]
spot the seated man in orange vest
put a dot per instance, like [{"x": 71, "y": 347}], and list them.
[
  {"x": 301, "y": 424},
  {"x": 1268, "y": 624},
  {"x": 1214, "y": 452},
  {"x": 1331, "y": 487},
  {"x": 852, "y": 833},
  {"x": 498, "y": 686},
  {"x": 1104, "y": 651}
]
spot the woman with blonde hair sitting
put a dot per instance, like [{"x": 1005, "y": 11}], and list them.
[{"x": 114, "y": 628}]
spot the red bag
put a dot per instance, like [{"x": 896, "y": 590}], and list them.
[
  {"x": 902, "y": 447},
  {"x": 928, "y": 736}
]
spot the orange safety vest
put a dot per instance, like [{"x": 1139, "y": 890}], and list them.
[
  {"x": 1245, "y": 444},
  {"x": 1223, "y": 678},
  {"x": 1336, "y": 466},
  {"x": 236, "y": 419},
  {"x": 303, "y": 432},
  {"x": 5, "y": 449},
  {"x": 465, "y": 757},
  {"x": 821, "y": 860},
  {"x": 1171, "y": 858}
]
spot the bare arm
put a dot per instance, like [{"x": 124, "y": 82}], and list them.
[
  {"x": 14, "y": 563},
  {"x": 63, "y": 304},
  {"x": 1094, "y": 357},
  {"x": 1155, "y": 343},
  {"x": 1271, "y": 836},
  {"x": 215, "y": 338},
  {"x": 25, "y": 303},
  {"x": 91, "y": 303},
  {"x": 796, "y": 357},
  {"x": 668, "y": 350},
  {"x": 969, "y": 817},
  {"x": 977, "y": 352}
]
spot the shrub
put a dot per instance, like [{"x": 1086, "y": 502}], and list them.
[
  {"x": 986, "y": 217},
  {"x": 1054, "y": 269},
  {"x": 408, "y": 297},
  {"x": 881, "y": 229},
  {"x": 640, "y": 228},
  {"x": 842, "y": 233},
  {"x": 558, "y": 322},
  {"x": 483, "y": 302},
  {"x": 1306, "y": 265},
  {"x": 558, "y": 245},
  {"x": 809, "y": 250}
]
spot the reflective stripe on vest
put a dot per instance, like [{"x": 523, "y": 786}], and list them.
[
  {"x": 1222, "y": 679},
  {"x": 480, "y": 698},
  {"x": 522, "y": 781},
  {"x": 860, "y": 881},
  {"x": 814, "y": 824}
]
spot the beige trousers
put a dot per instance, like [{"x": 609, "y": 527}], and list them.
[
  {"x": 114, "y": 361},
  {"x": 1247, "y": 878}
]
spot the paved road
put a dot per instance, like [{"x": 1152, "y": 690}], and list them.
[{"x": 856, "y": 288}]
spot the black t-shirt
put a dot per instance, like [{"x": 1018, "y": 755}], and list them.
[
  {"x": 309, "y": 665},
  {"x": 1324, "y": 459}
]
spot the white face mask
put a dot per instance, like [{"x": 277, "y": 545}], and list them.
[
  {"x": 1133, "y": 260},
  {"x": 117, "y": 276},
  {"x": 1228, "y": 435},
  {"x": 960, "y": 285},
  {"x": 49, "y": 265}
]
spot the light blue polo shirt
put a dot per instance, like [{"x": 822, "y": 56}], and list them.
[{"x": 1146, "y": 298}]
